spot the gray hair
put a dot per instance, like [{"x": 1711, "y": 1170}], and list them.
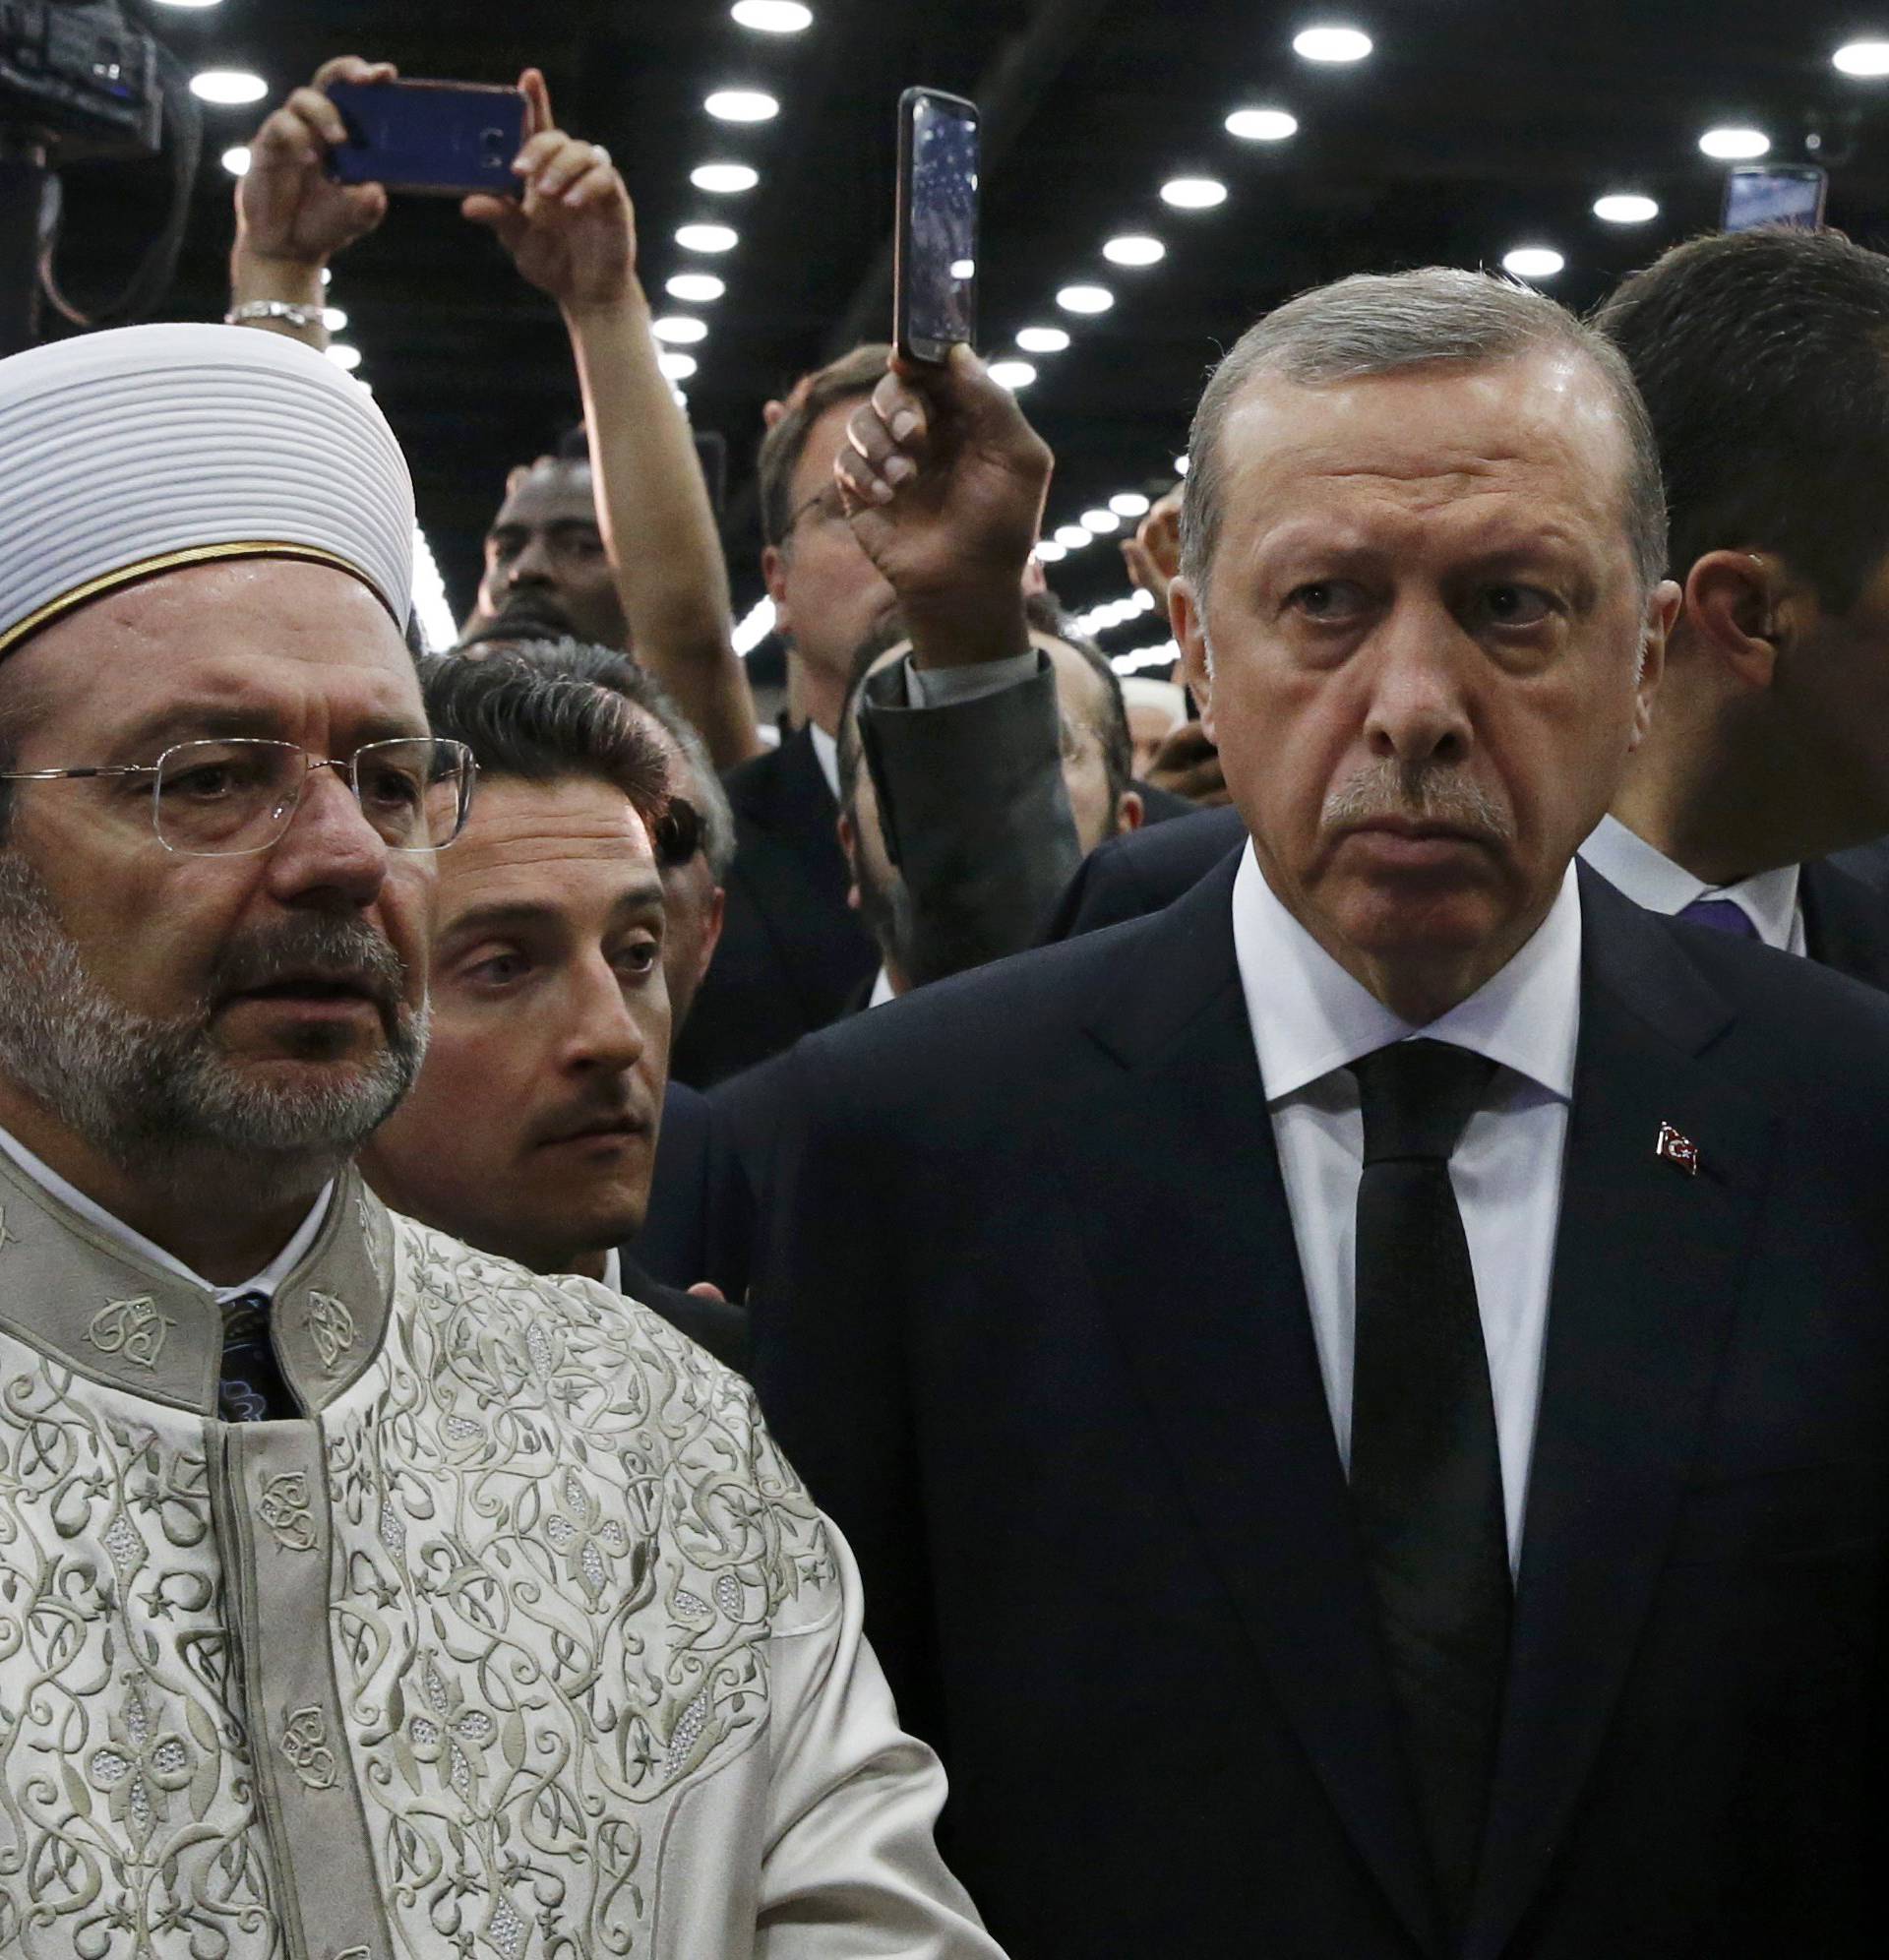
[{"x": 1376, "y": 323}]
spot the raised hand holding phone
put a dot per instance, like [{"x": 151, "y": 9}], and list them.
[{"x": 934, "y": 268}]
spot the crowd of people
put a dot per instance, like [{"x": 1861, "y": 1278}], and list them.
[{"x": 1321, "y": 1388}]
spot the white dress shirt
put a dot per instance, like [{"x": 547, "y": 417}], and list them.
[
  {"x": 100, "y": 1220},
  {"x": 1311, "y": 1020},
  {"x": 1651, "y": 879}
]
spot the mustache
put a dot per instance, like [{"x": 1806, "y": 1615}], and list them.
[
  {"x": 341, "y": 949},
  {"x": 572, "y": 1118},
  {"x": 1419, "y": 793}
]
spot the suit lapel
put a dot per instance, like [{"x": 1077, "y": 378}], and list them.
[
  {"x": 1845, "y": 925},
  {"x": 1648, "y": 1261},
  {"x": 1210, "y": 1311}
]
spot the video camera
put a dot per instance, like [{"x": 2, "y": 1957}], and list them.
[{"x": 73, "y": 75}]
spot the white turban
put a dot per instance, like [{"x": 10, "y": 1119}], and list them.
[{"x": 135, "y": 451}]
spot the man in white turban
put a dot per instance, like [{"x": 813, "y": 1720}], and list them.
[{"x": 362, "y": 1595}]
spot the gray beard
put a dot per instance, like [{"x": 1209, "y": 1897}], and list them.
[{"x": 156, "y": 1096}]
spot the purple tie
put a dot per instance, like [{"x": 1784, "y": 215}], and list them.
[{"x": 1722, "y": 915}]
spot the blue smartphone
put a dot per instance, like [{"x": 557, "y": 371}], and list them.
[
  {"x": 935, "y": 273},
  {"x": 440, "y": 139},
  {"x": 1775, "y": 193}
]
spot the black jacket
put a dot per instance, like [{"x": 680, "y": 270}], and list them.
[{"x": 1035, "y": 1332}]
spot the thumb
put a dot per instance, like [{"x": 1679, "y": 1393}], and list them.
[{"x": 705, "y": 1290}]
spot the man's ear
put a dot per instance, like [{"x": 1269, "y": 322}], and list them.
[
  {"x": 1190, "y": 635},
  {"x": 1656, "y": 630},
  {"x": 773, "y": 570},
  {"x": 717, "y": 917},
  {"x": 849, "y": 849},
  {"x": 1735, "y": 604},
  {"x": 1130, "y": 813}
]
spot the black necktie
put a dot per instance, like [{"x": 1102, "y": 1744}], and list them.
[
  {"x": 1426, "y": 1474},
  {"x": 251, "y": 1388}
]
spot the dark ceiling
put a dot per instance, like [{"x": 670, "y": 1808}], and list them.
[{"x": 1475, "y": 126}]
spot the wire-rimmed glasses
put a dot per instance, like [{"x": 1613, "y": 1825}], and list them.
[{"x": 239, "y": 794}]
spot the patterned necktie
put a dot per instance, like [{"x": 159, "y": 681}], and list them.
[
  {"x": 1723, "y": 915},
  {"x": 251, "y": 1388},
  {"x": 1425, "y": 1472}
]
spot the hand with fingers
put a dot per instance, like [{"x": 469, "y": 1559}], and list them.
[
  {"x": 1153, "y": 553},
  {"x": 1186, "y": 764},
  {"x": 289, "y": 209},
  {"x": 571, "y": 232},
  {"x": 945, "y": 481}
]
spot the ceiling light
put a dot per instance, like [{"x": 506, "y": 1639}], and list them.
[
  {"x": 707, "y": 238},
  {"x": 1072, "y": 537},
  {"x": 1866, "y": 58},
  {"x": 237, "y": 160},
  {"x": 1086, "y": 299},
  {"x": 343, "y": 356},
  {"x": 1011, "y": 374},
  {"x": 1049, "y": 551},
  {"x": 1137, "y": 249},
  {"x": 333, "y": 318},
  {"x": 1533, "y": 261},
  {"x": 1129, "y": 504},
  {"x": 679, "y": 330},
  {"x": 328, "y": 274},
  {"x": 192, "y": 5},
  {"x": 1143, "y": 599},
  {"x": 742, "y": 105},
  {"x": 697, "y": 288},
  {"x": 772, "y": 17},
  {"x": 1100, "y": 521},
  {"x": 754, "y": 625},
  {"x": 1263, "y": 125},
  {"x": 1329, "y": 43},
  {"x": 1732, "y": 144},
  {"x": 1193, "y": 193},
  {"x": 1625, "y": 207},
  {"x": 1180, "y": 465},
  {"x": 1042, "y": 340},
  {"x": 228, "y": 88},
  {"x": 677, "y": 367},
  {"x": 724, "y": 179}
]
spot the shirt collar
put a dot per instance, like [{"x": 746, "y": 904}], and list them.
[
  {"x": 1651, "y": 879},
  {"x": 613, "y": 1270},
  {"x": 1309, "y": 1016},
  {"x": 827, "y": 753},
  {"x": 100, "y": 1220}
]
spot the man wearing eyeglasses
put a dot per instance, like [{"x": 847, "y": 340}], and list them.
[{"x": 362, "y": 1594}]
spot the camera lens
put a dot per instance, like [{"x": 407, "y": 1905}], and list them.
[{"x": 492, "y": 148}]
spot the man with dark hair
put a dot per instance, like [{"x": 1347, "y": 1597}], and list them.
[
  {"x": 1386, "y": 1355},
  {"x": 1764, "y": 360},
  {"x": 531, "y": 1131}
]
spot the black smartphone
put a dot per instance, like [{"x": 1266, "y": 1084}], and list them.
[
  {"x": 935, "y": 270},
  {"x": 442, "y": 139},
  {"x": 1775, "y": 193}
]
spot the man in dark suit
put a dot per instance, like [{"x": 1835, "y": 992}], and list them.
[
  {"x": 1360, "y": 1399},
  {"x": 532, "y": 1129}
]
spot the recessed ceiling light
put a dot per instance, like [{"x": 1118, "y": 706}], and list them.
[
  {"x": 1099, "y": 522},
  {"x": 237, "y": 160},
  {"x": 1331, "y": 43},
  {"x": 1730, "y": 145},
  {"x": 1072, "y": 537},
  {"x": 678, "y": 367},
  {"x": 1263, "y": 125},
  {"x": 1012, "y": 374},
  {"x": 697, "y": 288},
  {"x": 724, "y": 179},
  {"x": 1625, "y": 207},
  {"x": 742, "y": 105},
  {"x": 679, "y": 330},
  {"x": 1129, "y": 504},
  {"x": 772, "y": 17},
  {"x": 342, "y": 355},
  {"x": 194, "y": 6},
  {"x": 228, "y": 88},
  {"x": 1048, "y": 551},
  {"x": 1533, "y": 261},
  {"x": 1866, "y": 58},
  {"x": 1086, "y": 299},
  {"x": 707, "y": 238},
  {"x": 1180, "y": 465},
  {"x": 1135, "y": 249},
  {"x": 1193, "y": 193},
  {"x": 1042, "y": 340},
  {"x": 328, "y": 274},
  {"x": 333, "y": 318}
]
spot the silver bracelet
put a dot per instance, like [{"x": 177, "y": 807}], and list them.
[{"x": 289, "y": 310}]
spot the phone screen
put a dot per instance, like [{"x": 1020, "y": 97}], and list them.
[
  {"x": 940, "y": 288},
  {"x": 1790, "y": 193}
]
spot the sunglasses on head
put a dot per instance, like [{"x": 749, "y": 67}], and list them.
[{"x": 677, "y": 834}]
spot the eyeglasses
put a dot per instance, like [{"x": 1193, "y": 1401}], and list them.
[
  {"x": 829, "y": 504},
  {"x": 229, "y": 798},
  {"x": 677, "y": 834}
]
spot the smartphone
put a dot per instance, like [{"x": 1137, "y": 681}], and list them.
[
  {"x": 442, "y": 139},
  {"x": 935, "y": 270},
  {"x": 1775, "y": 193}
]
